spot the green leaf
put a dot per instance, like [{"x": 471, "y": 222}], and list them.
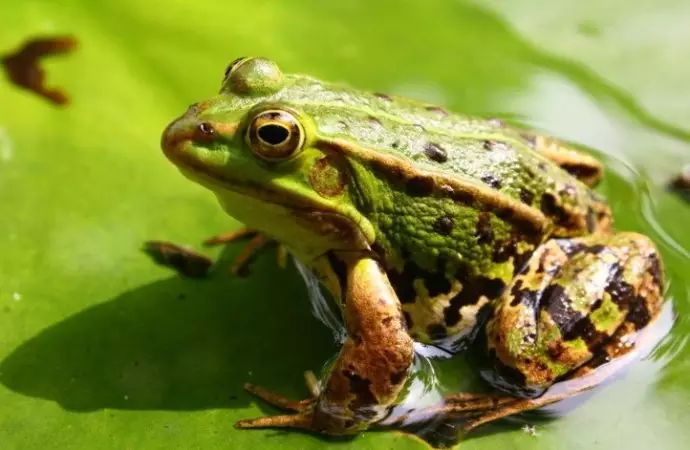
[{"x": 101, "y": 348}]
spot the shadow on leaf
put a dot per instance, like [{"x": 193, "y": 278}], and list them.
[{"x": 177, "y": 344}]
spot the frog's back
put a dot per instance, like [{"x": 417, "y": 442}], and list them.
[
  {"x": 458, "y": 203},
  {"x": 485, "y": 155}
]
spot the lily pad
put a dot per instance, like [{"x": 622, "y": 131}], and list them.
[{"x": 101, "y": 348}]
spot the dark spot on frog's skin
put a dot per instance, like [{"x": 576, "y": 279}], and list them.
[
  {"x": 436, "y": 109},
  {"x": 489, "y": 145},
  {"x": 549, "y": 206},
  {"x": 473, "y": 288},
  {"x": 526, "y": 296},
  {"x": 485, "y": 233},
  {"x": 435, "y": 152},
  {"x": 395, "y": 144},
  {"x": 557, "y": 303},
  {"x": 420, "y": 186},
  {"x": 580, "y": 171},
  {"x": 386, "y": 322},
  {"x": 374, "y": 119},
  {"x": 444, "y": 225},
  {"x": 542, "y": 166},
  {"x": 340, "y": 270},
  {"x": 436, "y": 282},
  {"x": 526, "y": 196},
  {"x": 492, "y": 181},
  {"x": 585, "y": 329},
  {"x": 360, "y": 387},
  {"x": 436, "y": 331},
  {"x": 383, "y": 96},
  {"x": 638, "y": 314}
]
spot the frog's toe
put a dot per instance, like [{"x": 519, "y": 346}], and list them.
[
  {"x": 256, "y": 243},
  {"x": 278, "y": 400},
  {"x": 301, "y": 420}
]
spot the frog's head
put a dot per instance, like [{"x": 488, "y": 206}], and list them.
[{"x": 256, "y": 151}]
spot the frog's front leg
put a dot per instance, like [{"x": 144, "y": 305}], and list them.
[{"x": 373, "y": 364}]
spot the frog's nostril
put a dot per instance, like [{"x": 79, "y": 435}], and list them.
[{"x": 206, "y": 129}]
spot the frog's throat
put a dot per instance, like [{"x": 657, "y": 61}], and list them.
[
  {"x": 349, "y": 229},
  {"x": 436, "y": 183}
]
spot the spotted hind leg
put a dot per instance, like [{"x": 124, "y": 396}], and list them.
[{"x": 571, "y": 319}]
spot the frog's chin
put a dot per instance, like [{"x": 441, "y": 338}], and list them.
[{"x": 307, "y": 228}]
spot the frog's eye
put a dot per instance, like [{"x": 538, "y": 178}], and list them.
[{"x": 275, "y": 135}]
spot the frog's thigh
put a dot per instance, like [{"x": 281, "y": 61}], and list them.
[
  {"x": 376, "y": 357},
  {"x": 570, "y": 306}
]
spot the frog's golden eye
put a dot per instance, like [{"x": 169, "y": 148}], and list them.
[{"x": 275, "y": 135}]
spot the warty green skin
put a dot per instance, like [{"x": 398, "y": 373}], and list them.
[{"x": 460, "y": 215}]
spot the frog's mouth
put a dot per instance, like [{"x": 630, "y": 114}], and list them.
[{"x": 263, "y": 205}]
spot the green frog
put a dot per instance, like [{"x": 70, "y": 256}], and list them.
[{"x": 425, "y": 226}]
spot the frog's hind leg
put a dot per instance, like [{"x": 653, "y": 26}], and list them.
[
  {"x": 257, "y": 242},
  {"x": 584, "y": 167},
  {"x": 571, "y": 319}
]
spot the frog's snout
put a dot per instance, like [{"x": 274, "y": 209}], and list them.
[{"x": 186, "y": 128}]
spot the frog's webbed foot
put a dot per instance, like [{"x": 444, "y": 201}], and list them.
[
  {"x": 257, "y": 242},
  {"x": 302, "y": 409}
]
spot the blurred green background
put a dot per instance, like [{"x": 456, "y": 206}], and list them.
[{"x": 100, "y": 348}]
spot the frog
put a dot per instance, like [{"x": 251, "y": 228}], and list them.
[{"x": 425, "y": 226}]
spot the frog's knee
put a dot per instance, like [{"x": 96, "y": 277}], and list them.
[{"x": 567, "y": 303}]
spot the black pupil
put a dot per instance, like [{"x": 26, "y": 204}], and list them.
[{"x": 273, "y": 134}]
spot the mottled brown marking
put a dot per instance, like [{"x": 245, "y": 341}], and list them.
[
  {"x": 383, "y": 96},
  {"x": 326, "y": 178},
  {"x": 638, "y": 314},
  {"x": 360, "y": 387},
  {"x": 420, "y": 186},
  {"x": 473, "y": 288}
]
